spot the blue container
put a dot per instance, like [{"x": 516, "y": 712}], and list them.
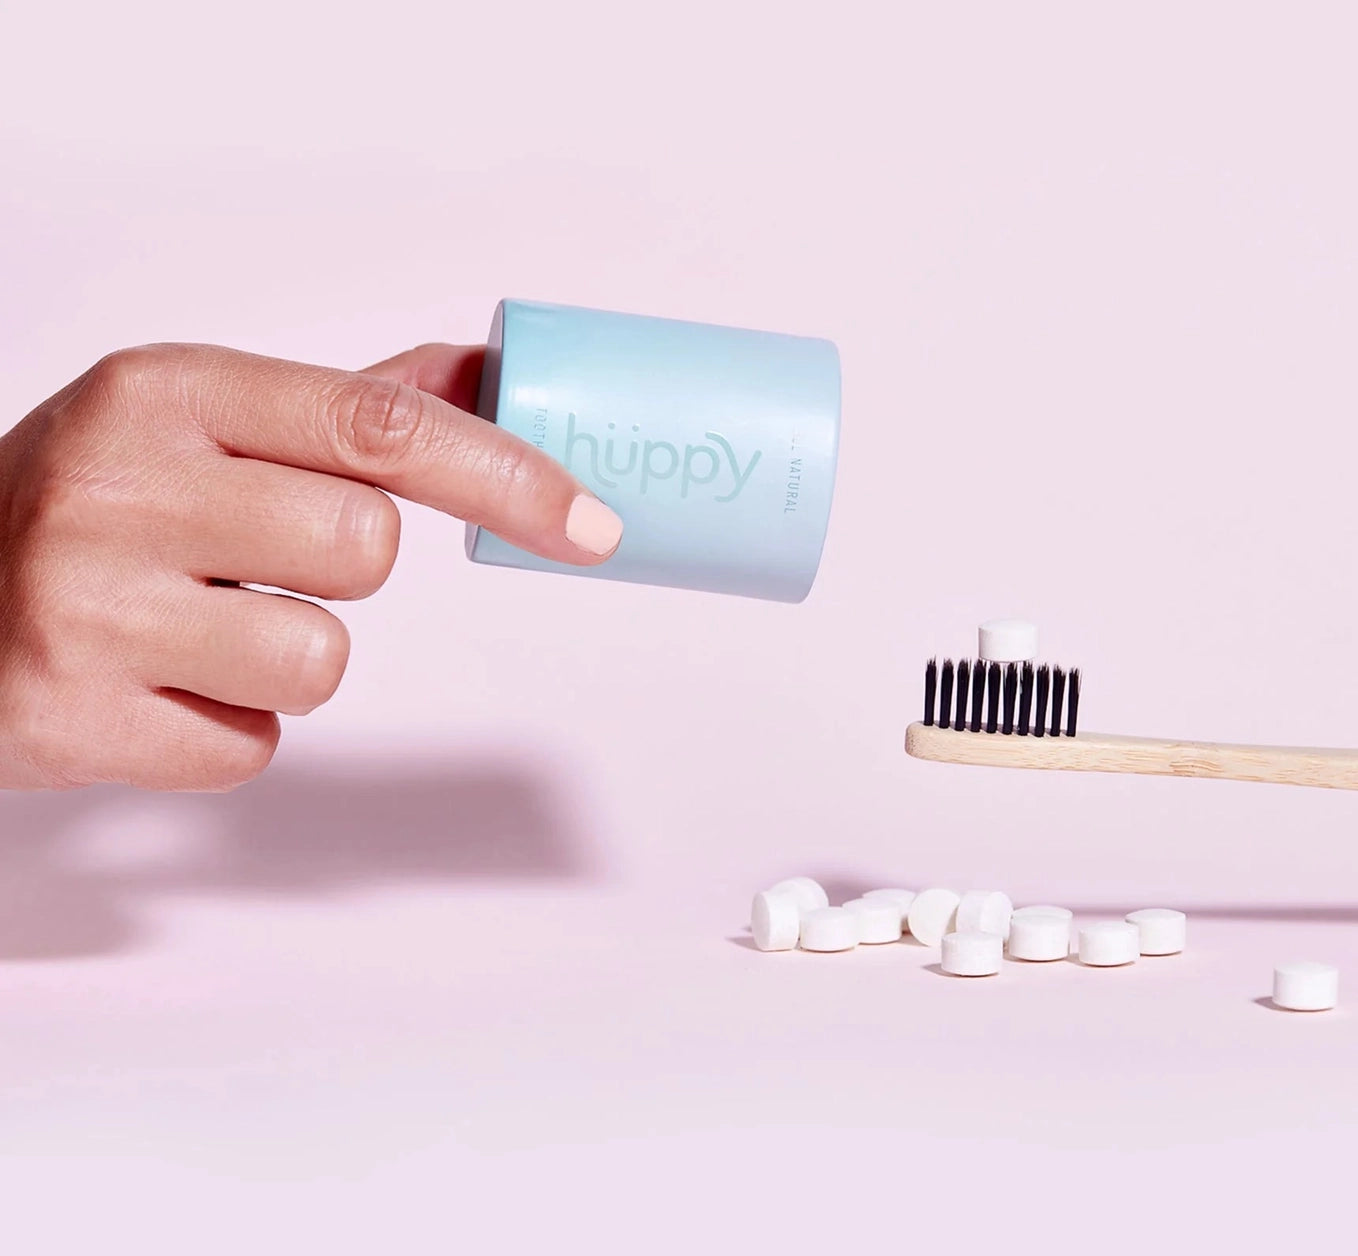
[{"x": 715, "y": 445}]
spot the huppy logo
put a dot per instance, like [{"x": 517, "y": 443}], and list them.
[{"x": 652, "y": 460}]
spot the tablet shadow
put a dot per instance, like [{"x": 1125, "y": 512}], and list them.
[{"x": 66, "y": 889}]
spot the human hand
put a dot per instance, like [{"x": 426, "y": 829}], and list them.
[{"x": 137, "y": 501}]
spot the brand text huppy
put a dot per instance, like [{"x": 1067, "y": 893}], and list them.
[{"x": 653, "y": 461}]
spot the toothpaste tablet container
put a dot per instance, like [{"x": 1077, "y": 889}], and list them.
[{"x": 717, "y": 446}]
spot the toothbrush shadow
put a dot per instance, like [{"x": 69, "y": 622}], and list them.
[
  {"x": 841, "y": 885},
  {"x": 1284, "y": 913}
]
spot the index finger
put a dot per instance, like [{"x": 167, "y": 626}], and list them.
[{"x": 385, "y": 432}]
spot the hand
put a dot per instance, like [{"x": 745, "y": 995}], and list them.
[{"x": 136, "y": 501}]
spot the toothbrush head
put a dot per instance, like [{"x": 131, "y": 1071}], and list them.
[{"x": 1017, "y": 699}]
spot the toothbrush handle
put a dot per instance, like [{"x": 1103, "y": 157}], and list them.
[{"x": 1144, "y": 756}]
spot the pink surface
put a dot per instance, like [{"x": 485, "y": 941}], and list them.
[{"x": 467, "y": 967}]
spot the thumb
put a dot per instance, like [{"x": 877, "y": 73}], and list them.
[{"x": 449, "y": 372}]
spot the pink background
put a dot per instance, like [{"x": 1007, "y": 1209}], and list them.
[{"x": 467, "y": 966}]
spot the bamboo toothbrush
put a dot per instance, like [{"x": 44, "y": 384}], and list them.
[{"x": 997, "y": 716}]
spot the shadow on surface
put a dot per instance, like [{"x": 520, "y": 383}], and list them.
[
  {"x": 1315, "y": 913},
  {"x": 1266, "y": 1001},
  {"x": 841, "y": 886},
  {"x": 73, "y": 867}
]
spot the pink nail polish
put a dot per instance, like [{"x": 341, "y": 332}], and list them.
[
  {"x": 591, "y": 526},
  {"x": 716, "y": 445}
]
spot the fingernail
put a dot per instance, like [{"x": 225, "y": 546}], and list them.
[{"x": 591, "y": 526}]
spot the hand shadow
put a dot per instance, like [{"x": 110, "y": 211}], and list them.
[{"x": 75, "y": 866}]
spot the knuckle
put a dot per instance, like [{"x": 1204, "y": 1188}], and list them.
[
  {"x": 69, "y": 500},
  {"x": 133, "y": 371},
  {"x": 27, "y": 717},
  {"x": 71, "y": 484},
  {"x": 377, "y": 422},
  {"x": 40, "y": 600},
  {"x": 509, "y": 467},
  {"x": 47, "y": 741},
  {"x": 91, "y": 454},
  {"x": 60, "y": 501},
  {"x": 69, "y": 592}
]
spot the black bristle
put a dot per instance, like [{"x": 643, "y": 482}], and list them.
[
  {"x": 963, "y": 684},
  {"x": 992, "y": 699},
  {"x": 945, "y": 696},
  {"x": 978, "y": 697},
  {"x": 1074, "y": 715},
  {"x": 930, "y": 689},
  {"x": 1025, "y": 711},
  {"x": 1044, "y": 684},
  {"x": 1058, "y": 699},
  {"x": 1010, "y": 697}
]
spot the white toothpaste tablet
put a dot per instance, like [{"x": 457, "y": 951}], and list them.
[
  {"x": 809, "y": 893},
  {"x": 1044, "y": 909},
  {"x": 1306, "y": 986},
  {"x": 902, "y": 898},
  {"x": 1039, "y": 937},
  {"x": 1164, "y": 931},
  {"x": 879, "y": 919},
  {"x": 829, "y": 929},
  {"x": 775, "y": 920},
  {"x": 984, "y": 911},
  {"x": 1007, "y": 641},
  {"x": 931, "y": 915},
  {"x": 1109, "y": 944},
  {"x": 972, "y": 954}
]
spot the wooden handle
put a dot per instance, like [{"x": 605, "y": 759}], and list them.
[{"x": 1145, "y": 756}]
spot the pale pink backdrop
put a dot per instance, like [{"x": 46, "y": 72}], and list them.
[{"x": 466, "y": 970}]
